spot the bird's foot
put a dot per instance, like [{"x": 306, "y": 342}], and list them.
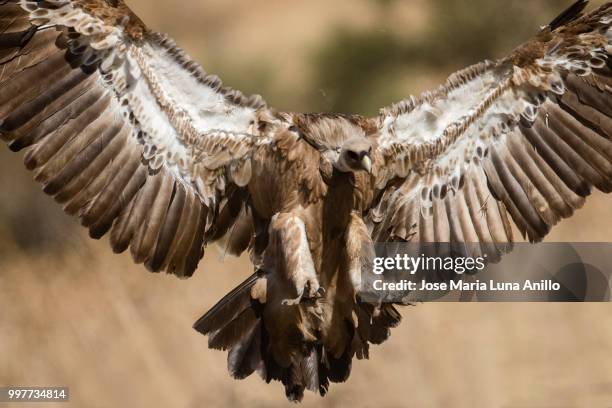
[{"x": 310, "y": 291}]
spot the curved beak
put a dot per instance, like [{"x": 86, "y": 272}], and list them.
[{"x": 366, "y": 163}]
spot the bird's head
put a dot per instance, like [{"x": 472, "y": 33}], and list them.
[{"x": 355, "y": 155}]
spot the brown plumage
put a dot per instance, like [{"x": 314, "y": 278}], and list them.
[{"x": 134, "y": 138}]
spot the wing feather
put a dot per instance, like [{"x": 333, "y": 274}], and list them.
[
  {"x": 119, "y": 189},
  {"x": 169, "y": 228},
  {"x": 156, "y": 203},
  {"x": 454, "y": 222},
  {"x": 528, "y": 135},
  {"x": 121, "y": 127},
  {"x": 442, "y": 231}
]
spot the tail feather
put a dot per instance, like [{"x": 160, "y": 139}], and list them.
[
  {"x": 236, "y": 324},
  {"x": 339, "y": 369},
  {"x": 310, "y": 370},
  {"x": 234, "y": 331},
  {"x": 244, "y": 357},
  {"x": 227, "y": 309}
]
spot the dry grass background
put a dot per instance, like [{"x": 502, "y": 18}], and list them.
[{"x": 73, "y": 314}]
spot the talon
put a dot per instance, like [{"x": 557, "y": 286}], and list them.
[
  {"x": 292, "y": 302},
  {"x": 314, "y": 289},
  {"x": 310, "y": 291}
]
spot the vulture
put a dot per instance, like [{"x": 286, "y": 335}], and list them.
[{"x": 135, "y": 139}]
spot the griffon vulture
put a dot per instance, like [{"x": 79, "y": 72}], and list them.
[{"x": 129, "y": 134}]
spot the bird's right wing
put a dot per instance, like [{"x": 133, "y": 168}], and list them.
[{"x": 122, "y": 128}]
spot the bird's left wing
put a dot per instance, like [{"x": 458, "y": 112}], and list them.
[
  {"x": 121, "y": 127},
  {"x": 528, "y": 135}
]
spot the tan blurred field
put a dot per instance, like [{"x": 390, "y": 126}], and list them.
[{"x": 72, "y": 314}]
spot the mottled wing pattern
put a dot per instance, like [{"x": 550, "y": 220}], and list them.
[
  {"x": 121, "y": 127},
  {"x": 529, "y": 135}
]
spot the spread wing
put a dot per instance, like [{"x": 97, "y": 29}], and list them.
[
  {"x": 528, "y": 135},
  {"x": 122, "y": 128}
]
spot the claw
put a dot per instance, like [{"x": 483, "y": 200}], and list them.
[
  {"x": 314, "y": 290},
  {"x": 296, "y": 301},
  {"x": 292, "y": 302},
  {"x": 310, "y": 291}
]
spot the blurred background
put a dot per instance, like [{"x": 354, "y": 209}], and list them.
[{"x": 72, "y": 314}]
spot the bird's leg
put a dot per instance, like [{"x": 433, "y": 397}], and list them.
[
  {"x": 359, "y": 250},
  {"x": 294, "y": 260}
]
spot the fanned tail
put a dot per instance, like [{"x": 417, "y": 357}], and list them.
[{"x": 237, "y": 325}]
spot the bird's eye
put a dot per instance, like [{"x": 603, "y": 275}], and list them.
[
  {"x": 353, "y": 156},
  {"x": 293, "y": 128}
]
